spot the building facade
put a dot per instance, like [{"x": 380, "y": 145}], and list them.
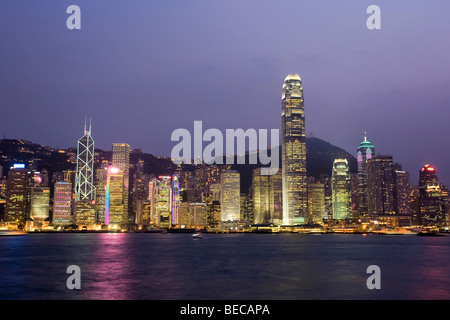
[
  {"x": 341, "y": 190},
  {"x": 295, "y": 184}
]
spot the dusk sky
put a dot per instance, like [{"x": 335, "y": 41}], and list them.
[{"x": 142, "y": 69}]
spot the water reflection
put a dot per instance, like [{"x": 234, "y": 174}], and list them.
[{"x": 109, "y": 276}]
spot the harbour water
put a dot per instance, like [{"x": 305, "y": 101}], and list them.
[{"x": 224, "y": 266}]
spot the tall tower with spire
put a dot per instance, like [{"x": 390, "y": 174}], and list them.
[
  {"x": 294, "y": 178},
  {"x": 365, "y": 152},
  {"x": 84, "y": 183}
]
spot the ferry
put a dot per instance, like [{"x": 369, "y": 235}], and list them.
[
  {"x": 197, "y": 235},
  {"x": 9, "y": 233}
]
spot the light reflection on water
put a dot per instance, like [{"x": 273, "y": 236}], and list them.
[{"x": 224, "y": 267}]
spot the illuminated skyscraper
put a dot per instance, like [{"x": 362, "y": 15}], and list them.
[
  {"x": 365, "y": 152},
  {"x": 175, "y": 199},
  {"x": 198, "y": 214},
  {"x": 381, "y": 189},
  {"x": 101, "y": 176},
  {"x": 341, "y": 190},
  {"x": 114, "y": 197},
  {"x": 84, "y": 184},
  {"x": 84, "y": 212},
  {"x": 121, "y": 160},
  {"x": 432, "y": 198},
  {"x": 62, "y": 198},
  {"x": 402, "y": 198},
  {"x": 39, "y": 204},
  {"x": 266, "y": 197},
  {"x": 230, "y": 196},
  {"x": 316, "y": 202},
  {"x": 160, "y": 196},
  {"x": 16, "y": 201},
  {"x": 295, "y": 184}
]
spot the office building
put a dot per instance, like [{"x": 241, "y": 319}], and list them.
[
  {"x": 341, "y": 190},
  {"x": 84, "y": 184},
  {"x": 295, "y": 185},
  {"x": 316, "y": 202},
  {"x": 62, "y": 203},
  {"x": 121, "y": 160},
  {"x": 230, "y": 208},
  {"x": 365, "y": 152}
]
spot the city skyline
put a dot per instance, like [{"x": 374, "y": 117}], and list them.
[
  {"x": 242, "y": 151},
  {"x": 73, "y": 75}
]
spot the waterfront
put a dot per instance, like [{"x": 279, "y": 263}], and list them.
[{"x": 224, "y": 266}]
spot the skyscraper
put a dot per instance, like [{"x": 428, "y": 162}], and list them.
[
  {"x": 381, "y": 189},
  {"x": 432, "y": 198},
  {"x": 267, "y": 197},
  {"x": 316, "y": 202},
  {"x": 295, "y": 184},
  {"x": 84, "y": 184},
  {"x": 114, "y": 205},
  {"x": 62, "y": 198},
  {"x": 16, "y": 201},
  {"x": 230, "y": 196},
  {"x": 365, "y": 152},
  {"x": 39, "y": 204},
  {"x": 121, "y": 160},
  {"x": 403, "y": 197},
  {"x": 101, "y": 176},
  {"x": 341, "y": 190},
  {"x": 160, "y": 196}
]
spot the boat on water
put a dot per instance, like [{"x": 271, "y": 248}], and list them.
[
  {"x": 432, "y": 233},
  {"x": 197, "y": 235},
  {"x": 10, "y": 233}
]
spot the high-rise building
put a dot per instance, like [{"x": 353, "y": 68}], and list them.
[
  {"x": 295, "y": 184},
  {"x": 84, "y": 184},
  {"x": 316, "y": 202},
  {"x": 16, "y": 201},
  {"x": 84, "y": 213},
  {"x": 101, "y": 177},
  {"x": 365, "y": 152},
  {"x": 160, "y": 196},
  {"x": 198, "y": 213},
  {"x": 341, "y": 190},
  {"x": 381, "y": 189},
  {"x": 121, "y": 160},
  {"x": 62, "y": 197},
  {"x": 230, "y": 204},
  {"x": 114, "y": 204},
  {"x": 267, "y": 197},
  {"x": 39, "y": 204},
  {"x": 402, "y": 198},
  {"x": 175, "y": 199},
  {"x": 432, "y": 198}
]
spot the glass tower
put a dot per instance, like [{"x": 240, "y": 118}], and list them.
[
  {"x": 365, "y": 152},
  {"x": 84, "y": 183},
  {"x": 295, "y": 184},
  {"x": 341, "y": 190},
  {"x": 230, "y": 204},
  {"x": 121, "y": 160}
]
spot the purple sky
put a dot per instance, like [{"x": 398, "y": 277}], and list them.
[{"x": 143, "y": 68}]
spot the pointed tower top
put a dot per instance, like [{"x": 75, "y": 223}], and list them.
[
  {"x": 366, "y": 143},
  {"x": 85, "y": 125}
]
